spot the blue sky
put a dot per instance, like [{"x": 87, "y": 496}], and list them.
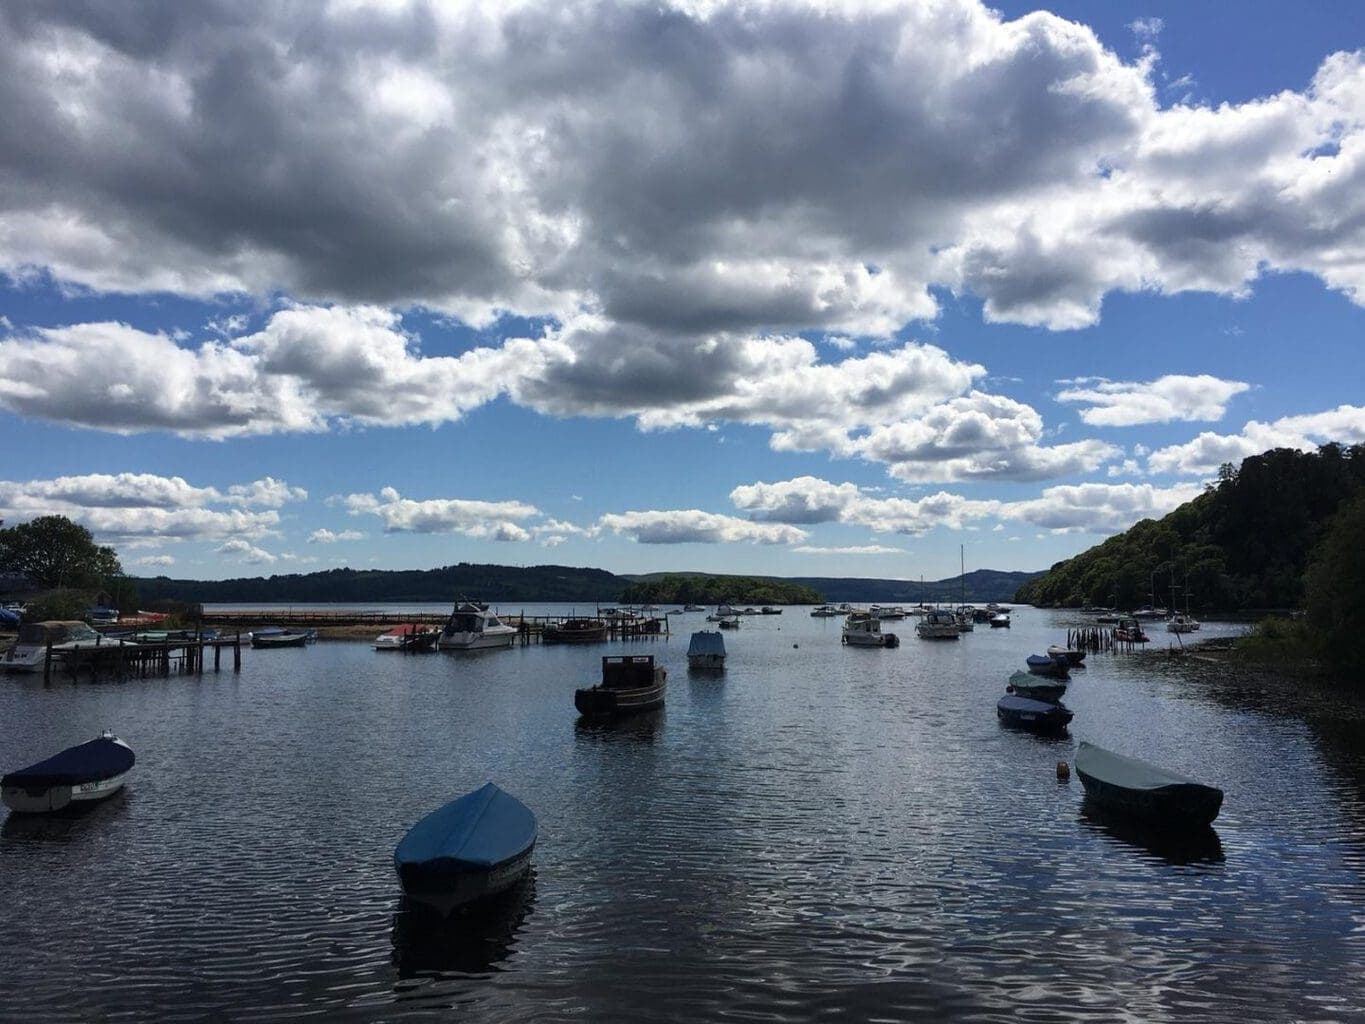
[{"x": 792, "y": 288}]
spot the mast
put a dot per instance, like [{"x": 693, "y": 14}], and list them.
[{"x": 962, "y": 567}]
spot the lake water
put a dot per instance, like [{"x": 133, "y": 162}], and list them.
[{"x": 823, "y": 833}]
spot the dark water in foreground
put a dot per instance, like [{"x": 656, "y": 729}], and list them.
[{"x": 823, "y": 833}]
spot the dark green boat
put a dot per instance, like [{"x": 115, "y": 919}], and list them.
[{"x": 1125, "y": 785}]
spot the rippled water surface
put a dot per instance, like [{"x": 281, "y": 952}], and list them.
[{"x": 820, "y": 833}]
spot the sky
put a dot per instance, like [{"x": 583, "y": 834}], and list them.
[{"x": 801, "y": 289}]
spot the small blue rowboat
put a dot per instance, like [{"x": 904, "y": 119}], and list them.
[
  {"x": 78, "y": 776},
  {"x": 470, "y": 849},
  {"x": 1046, "y": 665},
  {"x": 1037, "y": 715}
]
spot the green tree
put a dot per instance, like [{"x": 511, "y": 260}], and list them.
[
  {"x": 1336, "y": 591},
  {"x": 54, "y": 552}
]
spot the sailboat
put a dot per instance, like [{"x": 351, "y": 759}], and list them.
[{"x": 966, "y": 619}]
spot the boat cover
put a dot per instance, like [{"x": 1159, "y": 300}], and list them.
[
  {"x": 1041, "y": 660},
  {"x": 101, "y": 758},
  {"x": 476, "y": 832},
  {"x": 1022, "y": 680},
  {"x": 8, "y": 618},
  {"x": 706, "y": 642},
  {"x": 1126, "y": 772},
  {"x": 1029, "y": 706}
]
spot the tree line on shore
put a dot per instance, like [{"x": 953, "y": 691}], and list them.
[{"x": 1284, "y": 530}]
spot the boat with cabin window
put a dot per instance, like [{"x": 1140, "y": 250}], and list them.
[
  {"x": 938, "y": 624},
  {"x": 29, "y": 650},
  {"x": 706, "y": 650},
  {"x": 466, "y": 851},
  {"x": 472, "y": 627},
  {"x": 631, "y": 683},
  {"x": 863, "y": 629},
  {"x": 76, "y": 777},
  {"x": 1182, "y": 623},
  {"x": 824, "y": 611}
]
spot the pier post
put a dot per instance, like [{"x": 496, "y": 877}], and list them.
[
  {"x": 217, "y": 654},
  {"x": 237, "y": 653},
  {"x": 47, "y": 662}
]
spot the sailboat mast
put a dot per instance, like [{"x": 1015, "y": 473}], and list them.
[{"x": 962, "y": 568}]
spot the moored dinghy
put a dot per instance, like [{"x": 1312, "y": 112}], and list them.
[
  {"x": 275, "y": 636},
  {"x": 1037, "y": 715},
  {"x": 468, "y": 850},
  {"x": 411, "y": 636},
  {"x": 1046, "y": 665},
  {"x": 1136, "y": 788},
  {"x": 1026, "y": 685},
  {"x": 1071, "y": 655},
  {"x": 82, "y": 774}
]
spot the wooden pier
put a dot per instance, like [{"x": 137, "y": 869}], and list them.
[
  {"x": 530, "y": 628},
  {"x": 1098, "y": 638},
  {"x": 115, "y": 660}
]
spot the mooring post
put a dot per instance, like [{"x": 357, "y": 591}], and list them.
[
  {"x": 47, "y": 661},
  {"x": 237, "y": 652}
]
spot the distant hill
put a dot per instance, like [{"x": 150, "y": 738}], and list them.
[
  {"x": 981, "y": 586},
  {"x": 1243, "y": 544},
  {"x": 552, "y": 583},
  {"x": 690, "y": 588},
  {"x": 481, "y": 582}
]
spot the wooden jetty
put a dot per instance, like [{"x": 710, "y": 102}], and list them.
[
  {"x": 1095, "y": 639},
  {"x": 182, "y": 656},
  {"x": 530, "y": 628}
]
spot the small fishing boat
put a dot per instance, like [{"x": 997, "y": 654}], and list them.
[
  {"x": 706, "y": 650},
  {"x": 1037, "y": 715},
  {"x": 824, "y": 611},
  {"x": 1182, "y": 623},
  {"x": 276, "y": 636},
  {"x": 887, "y": 612},
  {"x": 630, "y": 683},
  {"x": 410, "y": 636},
  {"x": 466, "y": 851},
  {"x": 575, "y": 631},
  {"x": 473, "y": 627},
  {"x": 1047, "y": 665},
  {"x": 693, "y": 608},
  {"x": 722, "y": 612},
  {"x": 768, "y": 609},
  {"x": 79, "y": 775},
  {"x": 1130, "y": 632},
  {"x": 1000, "y": 620},
  {"x": 966, "y": 622},
  {"x": 1027, "y": 685},
  {"x": 728, "y": 622},
  {"x": 1071, "y": 655},
  {"x": 1138, "y": 789},
  {"x": 863, "y": 629},
  {"x": 1148, "y": 612},
  {"x": 937, "y": 624}
]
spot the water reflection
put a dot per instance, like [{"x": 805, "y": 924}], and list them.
[
  {"x": 642, "y": 728},
  {"x": 73, "y": 823},
  {"x": 1172, "y": 846},
  {"x": 473, "y": 941}
]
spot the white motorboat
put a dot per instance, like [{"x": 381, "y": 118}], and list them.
[
  {"x": 824, "y": 611},
  {"x": 965, "y": 622},
  {"x": 863, "y": 629},
  {"x": 938, "y": 624},
  {"x": 78, "y": 776},
  {"x": 30, "y": 649},
  {"x": 471, "y": 628},
  {"x": 888, "y": 612},
  {"x": 1182, "y": 623},
  {"x": 722, "y": 613}
]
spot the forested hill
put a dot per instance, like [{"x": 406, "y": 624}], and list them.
[
  {"x": 1242, "y": 544},
  {"x": 563, "y": 583},
  {"x": 481, "y": 582}
]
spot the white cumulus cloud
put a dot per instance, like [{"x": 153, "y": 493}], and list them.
[
  {"x": 1164, "y": 400},
  {"x": 693, "y": 526}
]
